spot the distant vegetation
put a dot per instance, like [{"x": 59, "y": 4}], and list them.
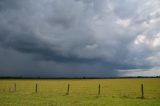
[{"x": 13, "y": 77}]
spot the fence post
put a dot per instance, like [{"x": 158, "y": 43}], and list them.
[
  {"x": 36, "y": 87},
  {"x": 15, "y": 87},
  {"x": 99, "y": 89},
  {"x": 142, "y": 91},
  {"x": 9, "y": 89},
  {"x": 68, "y": 88}
]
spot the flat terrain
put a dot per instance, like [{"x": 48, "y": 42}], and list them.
[{"x": 113, "y": 92}]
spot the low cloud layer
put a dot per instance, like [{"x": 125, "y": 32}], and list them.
[{"x": 78, "y": 37}]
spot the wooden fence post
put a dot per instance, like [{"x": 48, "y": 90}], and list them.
[
  {"x": 15, "y": 87},
  {"x": 36, "y": 87},
  {"x": 9, "y": 89},
  {"x": 99, "y": 90},
  {"x": 142, "y": 91},
  {"x": 68, "y": 88}
]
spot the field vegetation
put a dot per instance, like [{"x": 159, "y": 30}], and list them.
[{"x": 81, "y": 92}]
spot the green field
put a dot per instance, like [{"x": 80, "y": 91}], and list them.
[{"x": 114, "y": 92}]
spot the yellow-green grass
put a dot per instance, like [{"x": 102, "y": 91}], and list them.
[{"x": 114, "y": 92}]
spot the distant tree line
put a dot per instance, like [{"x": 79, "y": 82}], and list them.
[{"x": 84, "y": 77}]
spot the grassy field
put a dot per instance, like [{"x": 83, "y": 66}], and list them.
[{"x": 114, "y": 92}]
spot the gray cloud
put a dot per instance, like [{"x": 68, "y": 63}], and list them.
[{"x": 78, "y": 37}]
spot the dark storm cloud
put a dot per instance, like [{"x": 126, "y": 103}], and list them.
[
  {"x": 78, "y": 37},
  {"x": 39, "y": 48}
]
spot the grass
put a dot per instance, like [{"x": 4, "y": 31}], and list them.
[{"x": 114, "y": 92}]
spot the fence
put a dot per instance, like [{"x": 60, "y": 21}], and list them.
[{"x": 69, "y": 89}]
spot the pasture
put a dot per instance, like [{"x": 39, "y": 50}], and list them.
[{"x": 80, "y": 92}]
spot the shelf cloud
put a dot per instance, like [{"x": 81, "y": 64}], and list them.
[{"x": 75, "y": 38}]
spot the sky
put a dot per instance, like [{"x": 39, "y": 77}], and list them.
[{"x": 76, "y": 38}]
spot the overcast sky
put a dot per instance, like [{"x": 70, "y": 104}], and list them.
[{"x": 75, "y": 38}]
